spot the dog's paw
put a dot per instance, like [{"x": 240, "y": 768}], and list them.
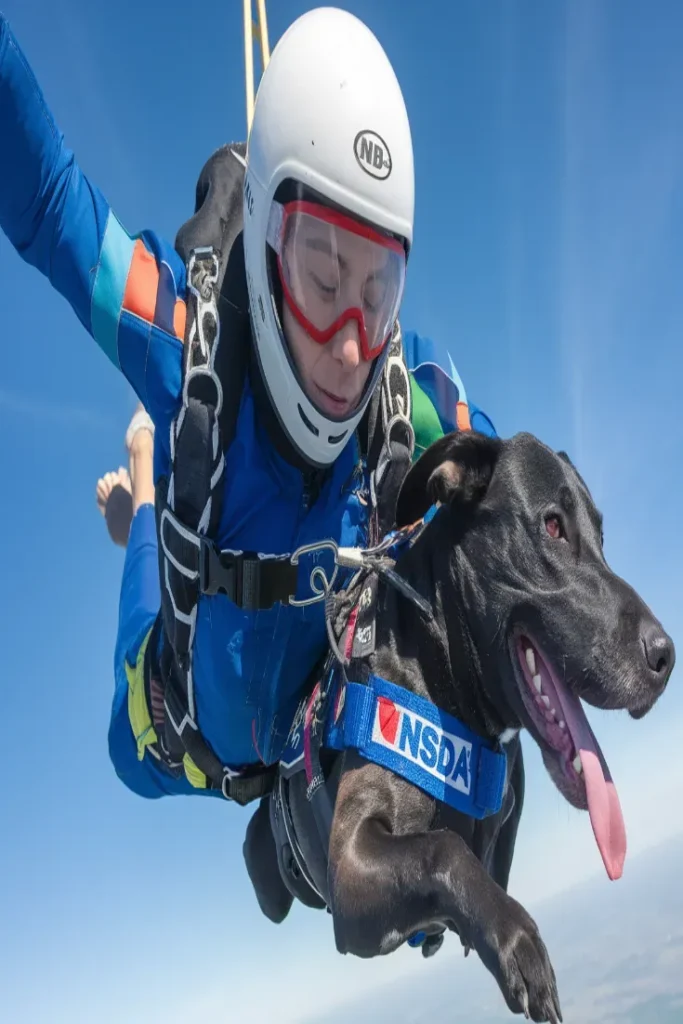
[{"x": 515, "y": 954}]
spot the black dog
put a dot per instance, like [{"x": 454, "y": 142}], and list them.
[{"x": 527, "y": 618}]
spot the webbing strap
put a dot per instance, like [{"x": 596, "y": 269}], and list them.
[
  {"x": 251, "y": 580},
  {"x": 413, "y": 738},
  {"x": 388, "y": 437},
  {"x": 189, "y": 502},
  {"x": 241, "y": 786},
  {"x": 188, "y": 513}
]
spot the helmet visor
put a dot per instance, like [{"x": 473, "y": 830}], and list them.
[{"x": 333, "y": 269}]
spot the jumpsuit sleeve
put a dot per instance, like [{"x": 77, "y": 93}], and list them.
[
  {"x": 481, "y": 422},
  {"x": 434, "y": 374},
  {"x": 127, "y": 291}
]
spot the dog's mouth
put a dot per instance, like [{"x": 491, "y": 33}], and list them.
[{"x": 571, "y": 752}]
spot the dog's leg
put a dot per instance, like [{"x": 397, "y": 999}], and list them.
[
  {"x": 391, "y": 877},
  {"x": 260, "y": 855}
]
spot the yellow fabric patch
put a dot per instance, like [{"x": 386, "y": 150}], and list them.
[
  {"x": 194, "y": 776},
  {"x": 138, "y": 712},
  {"x": 141, "y": 722}
]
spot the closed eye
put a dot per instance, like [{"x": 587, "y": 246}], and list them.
[{"x": 326, "y": 289}]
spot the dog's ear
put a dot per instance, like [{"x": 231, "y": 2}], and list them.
[{"x": 455, "y": 469}]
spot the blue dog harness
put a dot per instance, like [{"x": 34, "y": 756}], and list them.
[
  {"x": 418, "y": 741},
  {"x": 405, "y": 733}
]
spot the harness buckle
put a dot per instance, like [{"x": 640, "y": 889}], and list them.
[
  {"x": 251, "y": 582},
  {"x": 214, "y": 574}
]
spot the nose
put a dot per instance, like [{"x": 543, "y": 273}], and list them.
[
  {"x": 660, "y": 653},
  {"x": 346, "y": 346}
]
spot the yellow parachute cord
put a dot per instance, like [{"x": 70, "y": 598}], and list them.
[{"x": 254, "y": 28}]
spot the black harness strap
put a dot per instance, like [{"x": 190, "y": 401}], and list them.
[
  {"x": 189, "y": 503},
  {"x": 188, "y": 516},
  {"x": 386, "y": 436}
]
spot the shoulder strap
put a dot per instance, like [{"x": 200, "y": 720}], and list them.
[
  {"x": 217, "y": 224},
  {"x": 387, "y": 438},
  {"x": 188, "y": 515},
  {"x": 189, "y": 503}
]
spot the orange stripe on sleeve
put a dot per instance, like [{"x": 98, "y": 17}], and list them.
[
  {"x": 179, "y": 319},
  {"x": 140, "y": 296},
  {"x": 462, "y": 416}
]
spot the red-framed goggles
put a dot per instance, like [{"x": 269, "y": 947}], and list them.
[{"x": 334, "y": 269}]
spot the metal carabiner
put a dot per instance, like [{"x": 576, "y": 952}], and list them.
[{"x": 318, "y": 574}]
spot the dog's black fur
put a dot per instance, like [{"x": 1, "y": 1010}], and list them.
[{"x": 517, "y": 546}]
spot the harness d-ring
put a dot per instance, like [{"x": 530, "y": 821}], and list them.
[{"x": 228, "y": 776}]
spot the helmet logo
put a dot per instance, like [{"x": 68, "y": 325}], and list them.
[{"x": 372, "y": 154}]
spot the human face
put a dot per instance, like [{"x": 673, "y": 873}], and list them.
[
  {"x": 342, "y": 285},
  {"x": 333, "y": 375}
]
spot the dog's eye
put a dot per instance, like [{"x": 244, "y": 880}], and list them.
[{"x": 553, "y": 525}]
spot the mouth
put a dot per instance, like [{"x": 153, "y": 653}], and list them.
[
  {"x": 571, "y": 752},
  {"x": 337, "y": 405}
]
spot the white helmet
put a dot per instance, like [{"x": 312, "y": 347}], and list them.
[{"x": 329, "y": 116}]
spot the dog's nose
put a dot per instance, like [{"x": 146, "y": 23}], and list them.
[{"x": 659, "y": 653}]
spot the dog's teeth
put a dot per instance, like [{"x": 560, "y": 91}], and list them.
[
  {"x": 562, "y": 724},
  {"x": 536, "y": 679},
  {"x": 531, "y": 660},
  {"x": 546, "y": 700},
  {"x": 577, "y": 764}
]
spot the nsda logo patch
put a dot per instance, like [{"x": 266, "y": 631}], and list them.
[
  {"x": 416, "y": 739},
  {"x": 372, "y": 154}
]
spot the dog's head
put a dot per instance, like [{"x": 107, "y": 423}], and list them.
[{"x": 551, "y": 622}]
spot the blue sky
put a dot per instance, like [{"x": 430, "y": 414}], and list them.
[{"x": 547, "y": 257}]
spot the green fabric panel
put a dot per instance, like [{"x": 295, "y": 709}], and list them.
[{"x": 426, "y": 422}]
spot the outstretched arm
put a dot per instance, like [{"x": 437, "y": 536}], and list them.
[{"x": 120, "y": 286}]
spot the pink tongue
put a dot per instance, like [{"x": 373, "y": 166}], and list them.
[{"x": 603, "y": 801}]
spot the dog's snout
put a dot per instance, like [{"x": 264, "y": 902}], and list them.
[{"x": 659, "y": 653}]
